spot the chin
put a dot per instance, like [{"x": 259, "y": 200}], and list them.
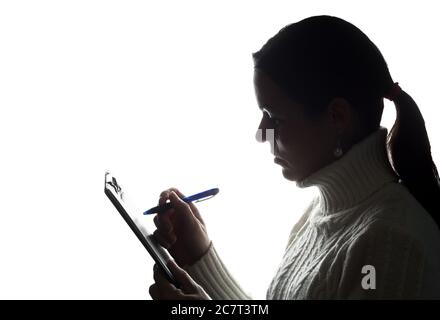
[
  {"x": 289, "y": 175},
  {"x": 293, "y": 175}
]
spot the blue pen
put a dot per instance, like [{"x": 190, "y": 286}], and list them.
[{"x": 205, "y": 195}]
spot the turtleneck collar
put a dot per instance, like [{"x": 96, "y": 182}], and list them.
[{"x": 362, "y": 170}]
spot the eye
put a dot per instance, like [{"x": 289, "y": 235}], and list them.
[{"x": 276, "y": 121}]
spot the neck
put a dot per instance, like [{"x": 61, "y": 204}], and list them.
[{"x": 362, "y": 170}]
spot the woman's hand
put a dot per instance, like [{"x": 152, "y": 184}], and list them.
[
  {"x": 162, "y": 289},
  {"x": 181, "y": 229}
]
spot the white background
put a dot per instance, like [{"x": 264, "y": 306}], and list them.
[{"x": 161, "y": 93}]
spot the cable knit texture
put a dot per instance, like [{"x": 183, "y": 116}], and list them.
[{"x": 363, "y": 237}]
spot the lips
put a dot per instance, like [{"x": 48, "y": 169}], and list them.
[{"x": 280, "y": 161}]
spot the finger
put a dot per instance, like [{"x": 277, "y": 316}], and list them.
[
  {"x": 165, "y": 217},
  {"x": 182, "y": 277},
  {"x": 163, "y": 221},
  {"x": 154, "y": 292},
  {"x": 193, "y": 207},
  {"x": 164, "y": 196},
  {"x": 180, "y": 205},
  {"x": 183, "y": 217},
  {"x": 160, "y": 279},
  {"x": 162, "y": 283},
  {"x": 166, "y": 290},
  {"x": 161, "y": 240},
  {"x": 166, "y": 240},
  {"x": 177, "y": 191}
]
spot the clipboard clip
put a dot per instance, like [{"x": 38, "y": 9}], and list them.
[{"x": 115, "y": 185}]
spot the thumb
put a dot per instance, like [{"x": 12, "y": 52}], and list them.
[{"x": 182, "y": 277}]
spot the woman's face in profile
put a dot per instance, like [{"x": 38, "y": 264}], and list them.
[{"x": 300, "y": 145}]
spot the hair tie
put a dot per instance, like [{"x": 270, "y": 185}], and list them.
[{"x": 394, "y": 92}]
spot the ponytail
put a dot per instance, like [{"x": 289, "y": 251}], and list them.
[
  {"x": 410, "y": 153},
  {"x": 322, "y": 57}
]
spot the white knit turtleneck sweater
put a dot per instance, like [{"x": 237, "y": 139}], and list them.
[{"x": 362, "y": 217}]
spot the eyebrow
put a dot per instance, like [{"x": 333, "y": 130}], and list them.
[
  {"x": 269, "y": 110},
  {"x": 264, "y": 107}
]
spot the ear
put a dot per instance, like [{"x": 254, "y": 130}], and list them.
[{"x": 340, "y": 115}]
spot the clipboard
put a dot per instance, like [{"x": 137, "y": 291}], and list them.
[{"x": 114, "y": 192}]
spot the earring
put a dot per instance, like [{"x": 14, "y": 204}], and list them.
[{"x": 338, "y": 150}]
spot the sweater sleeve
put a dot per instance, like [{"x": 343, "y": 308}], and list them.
[
  {"x": 213, "y": 276},
  {"x": 384, "y": 262}
]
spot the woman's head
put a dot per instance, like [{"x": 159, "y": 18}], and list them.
[
  {"x": 320, "y": 83},
  {"x": 330, "y": 78}
]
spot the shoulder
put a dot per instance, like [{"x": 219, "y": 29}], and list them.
[
  {"x": 384, "y": 236},
  {"x": 388, "y": 252},
  {"x": 396, "y": 214}
]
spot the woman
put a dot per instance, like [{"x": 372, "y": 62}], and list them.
[{"x": 372, "y": 231}]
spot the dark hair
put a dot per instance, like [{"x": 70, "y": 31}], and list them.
[{"x": 323, "y": 57}]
